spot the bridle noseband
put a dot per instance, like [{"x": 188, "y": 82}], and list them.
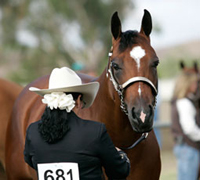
[{"x": 120, "y": 89}]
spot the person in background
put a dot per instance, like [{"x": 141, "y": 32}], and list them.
[
  {"x": 61, "y": 145},
  {"x": 186, "y": 126}
]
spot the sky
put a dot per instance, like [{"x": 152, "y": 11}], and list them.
[{"x": 179, "y": 20}]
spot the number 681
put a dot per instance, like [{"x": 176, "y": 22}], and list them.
[{"x": 59, "y": 175}]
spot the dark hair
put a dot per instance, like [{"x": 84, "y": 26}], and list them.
[
  {"x": 54, "y": 123},
  {"x": 128, "y": 38}
]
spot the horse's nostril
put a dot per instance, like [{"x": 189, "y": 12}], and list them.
[
  {"x": 133, "y": 113},
  {"x": 142, "y": 115}
]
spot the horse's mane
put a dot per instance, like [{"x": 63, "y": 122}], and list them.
[{"x": 128, "y": 38}]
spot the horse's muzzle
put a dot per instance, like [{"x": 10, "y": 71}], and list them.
[{"x": 141, "y": 119}]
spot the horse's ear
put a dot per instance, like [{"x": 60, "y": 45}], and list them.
[
  {"x": 116, "y": 26},
  {"x": 182, "y": 65},
  {"x": 196, "y": 67},
  {"x": 146, "y": 26}
]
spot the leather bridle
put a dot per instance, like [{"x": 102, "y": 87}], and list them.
[{"x": 120, "y": 89}]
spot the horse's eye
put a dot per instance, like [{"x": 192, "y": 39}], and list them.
[
  {"x": 155, "y": 63},
  {"x": 115, "y": 66}
]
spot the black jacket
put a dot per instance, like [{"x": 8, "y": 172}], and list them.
[{"x": 86, "y": 143}]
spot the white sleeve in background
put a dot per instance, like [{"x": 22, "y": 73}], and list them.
[{"x": 187, "y": 113}]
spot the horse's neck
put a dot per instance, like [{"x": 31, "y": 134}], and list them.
[{"x": 106, "y": 109}]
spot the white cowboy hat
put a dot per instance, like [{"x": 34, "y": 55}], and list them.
[{"x": 66, "y": 80}]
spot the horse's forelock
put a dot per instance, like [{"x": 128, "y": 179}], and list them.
[{"x": 128, "y": 39}]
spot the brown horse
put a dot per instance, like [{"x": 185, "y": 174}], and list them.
[
  {"x": 8, "y": 94},
  {"x": 130, "y": 80}
]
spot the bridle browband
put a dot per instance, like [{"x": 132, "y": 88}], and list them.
[{"x": 120, "y": 89}]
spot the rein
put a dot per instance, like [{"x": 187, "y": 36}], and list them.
[
  {"x": 143, "y": 137},
  {"x": 120, "y": 89}
]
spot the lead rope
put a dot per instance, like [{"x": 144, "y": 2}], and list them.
[{"x": 143, "y": 137}]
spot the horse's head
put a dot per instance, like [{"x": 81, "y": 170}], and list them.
[
  {"x": 193, "y": 69},
  {"x": 133, "y": 71}
]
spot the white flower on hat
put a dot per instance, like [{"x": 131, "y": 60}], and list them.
[{"x": 59, "y": 100}]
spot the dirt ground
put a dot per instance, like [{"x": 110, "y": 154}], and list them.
[
  {"x": 168, "y": 171},
  {"x": 168, "y": 160}
]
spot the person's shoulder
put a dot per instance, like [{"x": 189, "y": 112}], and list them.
[
  {"x": 94, "y": 127},
  {"x": 185, "y": 104},
  {"x": 85, "y": 122},
  {"x": 183, "y": 101},
  {"x": 93, "y": 123},
  {"x": 30, "y": 131},
  {"x": 89, "y": 126},
  {"x": 33, "y": 125}
]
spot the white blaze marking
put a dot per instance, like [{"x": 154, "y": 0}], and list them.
[
  {"x": 139, "y": 90},
  {"x": 137, "y": 53},
  {"x": 142, "y": 116}
]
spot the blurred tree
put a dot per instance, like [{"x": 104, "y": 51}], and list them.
[{"x": 49, "y": 33}]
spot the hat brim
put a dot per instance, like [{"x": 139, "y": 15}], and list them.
[{"x": 89, "y": 91}]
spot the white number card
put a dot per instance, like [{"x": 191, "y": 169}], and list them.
[{"x": 58, "y": 171}]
